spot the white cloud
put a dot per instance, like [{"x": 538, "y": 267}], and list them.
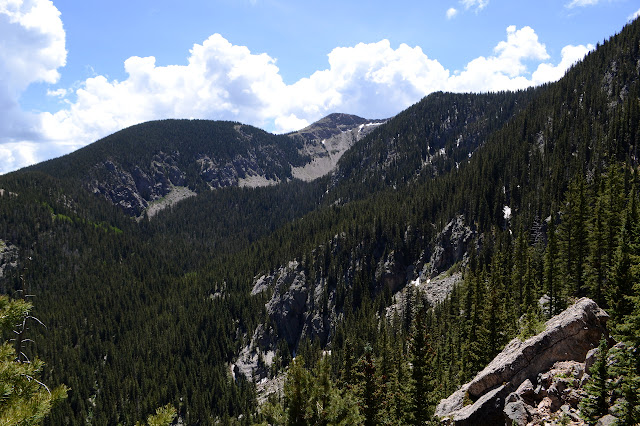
[
  {"x": 33, "y": 43},
  {"x": 291, "y": 122},
  {"x": 451, "y": 12},
  {"x": 477, "y": 4},
  {"x": 634, "y": 15},
  {"x": 17, "y": 154},
  {"x": 225, "y": 81},
  {"x": 58, "y": 93},
  {"x": 581, "y": 3},
  {"x": 373, "y": 80},
  {"x": 32, "y": 48},
  {"x": 220, "y": 81},
  {"x": 506, "y": 70},
  {"x": 570, "y": 55}
]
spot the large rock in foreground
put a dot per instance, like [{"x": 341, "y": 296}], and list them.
[{"x": 567, "y": 337}]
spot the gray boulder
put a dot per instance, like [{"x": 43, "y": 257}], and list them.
[
  {"x": 568, "y": 336},
  {"x": 607, "y": 420}
]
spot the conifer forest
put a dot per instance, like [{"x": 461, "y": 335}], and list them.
[{"x": 521, "y": 202}]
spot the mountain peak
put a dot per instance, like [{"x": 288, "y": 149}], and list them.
[{"x": 326, "y": 140}]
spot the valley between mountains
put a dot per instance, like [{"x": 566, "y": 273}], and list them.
[{"x": 474, "y": 259}]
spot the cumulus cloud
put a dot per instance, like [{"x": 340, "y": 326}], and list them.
[
  {"x": 32, "y": 50},
  {"x": 570, "y": 55},
  {"x": 226, "y": 81},
  {"x": 33, "y": 46},
  {"x": 634, "y": 15},
  {"x": 220, "y": 81},
  {"x": 506, "y": 69},
  {"x": 451, "y": 12},
  {"x": 373, "y": 79}
]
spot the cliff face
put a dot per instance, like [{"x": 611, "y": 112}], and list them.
[
  {"x": 304, "y": 303},
  {"x": 132, "y": 189},
  {"x": 496, "y": 393},
  {"x": 8, "y": 257}
]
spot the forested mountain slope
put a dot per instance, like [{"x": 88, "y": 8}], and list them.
[
  {"x": 143, "y": 163},
  {"x": 552, "y": 198},
  {"x": 428, "y": 139},
  {"x": 542, "y": 183}
]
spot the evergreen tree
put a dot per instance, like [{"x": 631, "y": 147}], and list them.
[
  {"x": 620, "y": 283},
  {"x": 551, "y": 278},
  {"x": 595, "y": 268},
  {"x": 614, "y": 207},
  {"x": 369, "y": 389},
  {"x": 327, "y": 405},
  {"x": 573, "y": 238},
  {"x": 164, "y": 416},
  {"x": 519, "y": 271},
  {"x": 596, "y": 404},
  {"x": 421, "y": 354},
  {"x": 627, "y": 389},
  {"x": 296, "y": 392},
  {"x": 25, "y": 399}
]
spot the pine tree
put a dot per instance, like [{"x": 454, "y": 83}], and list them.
[
  {"x": 596, "y": 404},
  {"x": 25, "y": 399},
  {"x": 519, "y": 270},
  {"x": 573, "y": 238},
  {"x": 327, "y": 405},
  {"x": 296, "y": 391},
  {"x": 420, "y": 353},
  {"x": 595, "y": 268},
  {"x": 620, "y": 282},
  {"x": 164, "y": 416},
  {"x": 614, "y": 207},
  {"x": 627, "y": 390},
  {"x": 369, "y": 390},
  {"x": 629, "y": 329},
  {"x": 398, "y": 406},
  {"x": 551, "y": 278}
]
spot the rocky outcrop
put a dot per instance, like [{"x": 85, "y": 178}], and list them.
[
  {"x": 451, "y": 246},
  {"x": 8, "y": 257},
  {"x": 326, "y": 140},
  {"x": 133, "y": 188},
  {"x": 552, "y": 397},
  {"x": 568, "y": 336},
  {"x": 430, "y": 290},
  {"x": 391, "y": 271},
  {"x": 298, "y": 308},
  {"x": 303, "y": 305}
]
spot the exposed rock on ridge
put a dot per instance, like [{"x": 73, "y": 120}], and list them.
[
  {"x": 241, "y": 157},
  {"x": 327, "y": 139},
  {"x": 568, "y": 336},
  {"x": 132, "y": 190}
]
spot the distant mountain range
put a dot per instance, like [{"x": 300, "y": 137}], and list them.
[
  {"x": 149, "y": 162},
  {"x": 182, "y": 261}
]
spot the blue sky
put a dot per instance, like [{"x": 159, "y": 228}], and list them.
[{"x": 72, "y": 72}]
